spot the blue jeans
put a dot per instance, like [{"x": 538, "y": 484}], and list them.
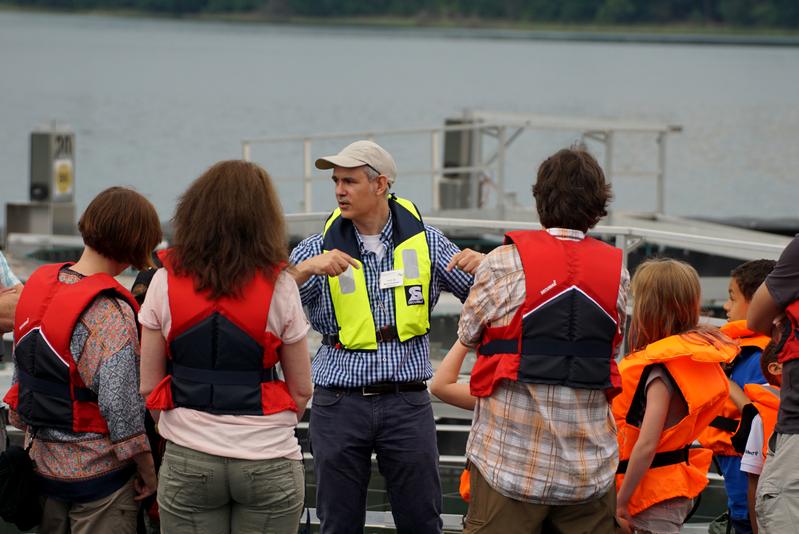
[{"x": 399, "y": 427}]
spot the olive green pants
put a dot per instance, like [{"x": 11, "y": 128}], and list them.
[
  {"x": 115, "y": 513},
  {"x": 199, "y": 493},
  {"x": 490, "y": 512}
]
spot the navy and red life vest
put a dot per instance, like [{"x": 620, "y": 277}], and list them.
[
  {"x": 567, "y": 330},
  {"x": 790, "y": 348},
  {"x": 221, "y": 358},
  {"x": 49, "y": 391}
]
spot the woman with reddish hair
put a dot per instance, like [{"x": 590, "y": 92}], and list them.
[{"x": 218, "y": 319}]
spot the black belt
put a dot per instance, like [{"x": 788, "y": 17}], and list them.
[
  {"x": 383, "y": 334},
  {"x": 661, "y": 459},
  {"x": 381, "y": 388}
]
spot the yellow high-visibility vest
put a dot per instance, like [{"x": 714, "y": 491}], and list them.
[{"x": 348, "y": 290}]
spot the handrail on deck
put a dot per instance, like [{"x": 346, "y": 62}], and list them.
[
  {"x": 628, "y": 238},
  {"x": 504, "y": 128}
]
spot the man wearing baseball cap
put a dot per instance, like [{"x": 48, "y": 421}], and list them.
[{"x": 369, "y": 282}]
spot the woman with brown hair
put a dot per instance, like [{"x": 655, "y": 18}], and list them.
[
  {"x": 672, "y": 388},
  {"x": 76, "y": 380},
  {"x": 217, "y": 319}
]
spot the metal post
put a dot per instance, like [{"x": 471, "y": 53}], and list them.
[
  {"x": 661, "y": 174},
  {"x": 621, "y": 242},
  {"x": 609, "y": 156},
  {"x": 502, "y": 138},
  {"x": 435, "y": 158},
  {"x": 307, "y": 197},
  {"x": 245, "y": 151}
]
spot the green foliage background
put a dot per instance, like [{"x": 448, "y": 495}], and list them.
[{"x": 733, "y": 13}]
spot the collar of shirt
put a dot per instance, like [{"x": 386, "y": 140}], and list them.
[
  {"x": 385, "y": 236},
  {"x": 566, "y": 233}
]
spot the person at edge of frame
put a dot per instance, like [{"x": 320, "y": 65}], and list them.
[
  {"x": 546, "y": 315},
  {"x": 10, "y": 289},
  {"x": 775, "y": 305},
  {"x": 76, "y": 382},
  {"x": 369, "y": 282}
]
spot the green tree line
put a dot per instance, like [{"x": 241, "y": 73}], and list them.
[{"x": 738, "y": 13}]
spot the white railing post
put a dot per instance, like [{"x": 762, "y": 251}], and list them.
[
  {"x": 307, "y": 183},
  {"x": 245, "y": 150},
  {"x": 501, "y": 169},
  {"x": 435, "y": 158},
  {"x": 621, "y": 242},
  {"x": 661, "y": 174},
  {"x": 609, "y": 156}
]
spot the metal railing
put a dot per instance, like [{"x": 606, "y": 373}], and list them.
[
  {"x": 504, "y": 129},
  {"x": 625, "y": 237}
]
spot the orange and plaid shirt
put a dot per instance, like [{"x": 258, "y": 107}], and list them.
[{"x": 537, "y": 443}]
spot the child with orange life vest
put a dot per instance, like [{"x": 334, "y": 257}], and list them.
[
  {"x": 765, "y": 403},
  {"x": 745, "y": 369},
  {"x": 672, "y": 387}
]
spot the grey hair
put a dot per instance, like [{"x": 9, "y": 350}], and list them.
[{"x": 371, "y": 174}]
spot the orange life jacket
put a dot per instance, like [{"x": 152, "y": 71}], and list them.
[
  {"x": 767, "y": 401},
  {"x": 465, "y": 488},
  {"x": 694, "y": 366},
  {"x": 718, "y": 434}
]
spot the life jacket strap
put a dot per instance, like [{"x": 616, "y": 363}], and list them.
[
  {"x": 661, "y": 459},
  {"x": 548, "y": 346},
  {"x": 223, "y": 378},
  {"x": 53, "y": 389},
  {"x": 726, "y": 424},
  {"x": 383, "y": 334}
]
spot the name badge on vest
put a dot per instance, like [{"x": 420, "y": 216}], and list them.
[{"x": 389, "y": 279}]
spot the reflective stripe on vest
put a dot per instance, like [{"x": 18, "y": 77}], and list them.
[{"x": 350, "y": 295}]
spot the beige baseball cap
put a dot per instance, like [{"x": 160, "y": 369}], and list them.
[{"x": 362, "y": 153}]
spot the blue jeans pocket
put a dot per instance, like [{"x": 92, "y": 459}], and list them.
[
  {"x": 416, "y": 398},
  {"x": 324, "y": 398}
]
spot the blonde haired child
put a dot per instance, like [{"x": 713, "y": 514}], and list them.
[{"x": 672, "y": 387}]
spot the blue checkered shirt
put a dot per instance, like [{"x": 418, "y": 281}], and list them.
[
  {"x": 7, "y": 278},
  {"x": 393, "y": 361}
]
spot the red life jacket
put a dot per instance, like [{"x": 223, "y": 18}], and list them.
[
  {"x": 790, "y": 350},
  {"x": 767, "y": 401},
  {"x": 221, "y": 358},
  {"x": 567, "y": 329},
  {"x": 718, "y": 435},
  {"x": 50, "y": 392}
]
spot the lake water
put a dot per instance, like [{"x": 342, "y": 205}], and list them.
[{"x": 155, "y": 102}]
